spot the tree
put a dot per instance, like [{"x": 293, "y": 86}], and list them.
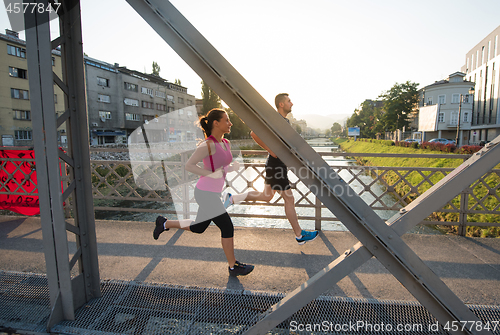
[
  {"x": 399, "y": 101},
  {"x": 156, "y": 69},
  {"x": 210, "y": 98},
  {"x": 298, "y": 129},
  {"x": 239, "y": 129},
  {"x": 336, "y": 129}
]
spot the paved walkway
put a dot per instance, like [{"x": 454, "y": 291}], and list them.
[{"x": 127, "y": 251}]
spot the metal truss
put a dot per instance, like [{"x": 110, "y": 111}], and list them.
[
  {"x": 70, "y": 286},
  {"x": 375, "y": 236}
]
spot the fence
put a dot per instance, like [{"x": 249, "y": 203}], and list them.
[{"x": 385, "y": 189}]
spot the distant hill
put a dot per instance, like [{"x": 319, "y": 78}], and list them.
[{"x": 322, "y": 122}]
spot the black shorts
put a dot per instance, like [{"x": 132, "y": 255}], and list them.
[
  {"x": 211, "y": 209},
  {"x": 277, "y": 174}
]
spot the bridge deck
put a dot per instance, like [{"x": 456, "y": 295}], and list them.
[{"x": 180, "y": 265}]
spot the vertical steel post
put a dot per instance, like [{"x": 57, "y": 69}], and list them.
[
  {"x": 67, "y": 292},
  {"x": 39, "y": 56},
  {"x": 462, "y": 215},
  {"x": 317, "y": 214}
]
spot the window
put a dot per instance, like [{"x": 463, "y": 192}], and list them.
[
  {"x": 189, "y": 113},
  {"x": 16, "y": 51},
  {"x": 160, "y": 94},
  {"x": 104, "y": 98},
  {"x": 102, "y": 82},
  {"x": 53, "y": 61},
  {"x": 466, "y": 117},
  {"x": 170, "y": 109},
  {"x": 19, "y": 94},
  {"x": 55, "y": 98},
  {"x": 131, "y": 102},
  {"x": 22, "y": 115},
  {"x": 148, "y": 91},
  {"x": 131, "y": 87},
  {"x": 181, "y": 111},
  {"x": 441, "y": 117},
  {"x": 147, "y": 104},
  {"x": 442, "y": 99},
  {"x": 132, "y": 117},
  {"x": 180, "y": 100},
  {"x": 18, "y": 73},
  {"x": 429, "y": 101},
  {"x": 23, "y": 134},
  {"x": 455, "y": 98},
  {"x": 170, "y": 97},
  {"x": 105, "y": 115},
  {"x": 161, "y": 107},
  {"x": 454, "y": 118},
  {"x": 189, "y": 102},
  {"x": 148, "y": 117},
  {"x": 171, "y": 122}
]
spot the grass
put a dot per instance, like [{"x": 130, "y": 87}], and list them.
[{"x": 479, "y": 190}]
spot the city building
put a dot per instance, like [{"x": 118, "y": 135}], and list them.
[
  {"x": 120, "y": 100},
  {"x": 445, "y": 108},
  {"x": 481, "y": 67},
  {"x": 15, "y": 110}
]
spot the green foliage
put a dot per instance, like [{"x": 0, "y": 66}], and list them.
[
  {"x": 210, "y": 98},
  {"x": 156, "y": 69},
  {"x": 336, "y": 129},
  {"x": 415, "y": 179},
  {"x": 399, "y": 101},
  {"x": 239, "y": 129}
]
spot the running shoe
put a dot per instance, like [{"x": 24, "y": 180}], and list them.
[
  {"x": 307, "y": 236},
  {"x": 226, "y": 199},
  {"x": 240, "y": 269},
  {"x": 160, "y": 228}
]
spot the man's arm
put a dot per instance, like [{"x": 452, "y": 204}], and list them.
[{"x": 262, "y": 144}]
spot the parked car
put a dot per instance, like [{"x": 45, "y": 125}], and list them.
[
  {"x": 442, "y": 140},
  {"x": 412, "y": 140}
]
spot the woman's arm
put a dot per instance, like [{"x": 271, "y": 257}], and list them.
[{"x": 198, "y": 155}]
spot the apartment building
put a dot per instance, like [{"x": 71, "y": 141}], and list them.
[
  {"x": 120, "y": 100},
  {"x": 447, "y": 107},
  {"x": 481, "y": 67},
  {"x": 15, "y": 110}
]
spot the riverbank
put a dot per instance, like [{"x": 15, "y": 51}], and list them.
[{"x": 479, "y": 192}]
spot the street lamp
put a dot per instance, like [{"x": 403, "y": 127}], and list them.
[{"x": 457, "y": 139}]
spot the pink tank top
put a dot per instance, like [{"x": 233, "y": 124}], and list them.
[{"x": 221, "y": 158}]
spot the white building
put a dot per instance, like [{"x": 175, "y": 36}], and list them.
[
  {"x": 440, "y": 105},
  {"x": 481, "y": 67}
]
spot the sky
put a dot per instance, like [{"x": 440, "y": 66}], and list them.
[{"x": 328, "y": 55}]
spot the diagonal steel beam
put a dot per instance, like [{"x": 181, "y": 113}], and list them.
[
  {"x": 312, "y": 170},
  {"x": 410, "y": 216}
]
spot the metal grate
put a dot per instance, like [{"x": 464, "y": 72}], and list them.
[{"x": 140, "y": 308}]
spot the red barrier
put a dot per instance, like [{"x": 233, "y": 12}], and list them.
[{"x": 18, "y": 176}]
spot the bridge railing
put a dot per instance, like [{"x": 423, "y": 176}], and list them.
[{"x": 385, "y": 189}]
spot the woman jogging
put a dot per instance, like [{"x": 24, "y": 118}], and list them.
[{"x": 215, "y": 153}]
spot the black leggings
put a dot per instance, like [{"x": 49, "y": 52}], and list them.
[{"x": 211, "y": 209}]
